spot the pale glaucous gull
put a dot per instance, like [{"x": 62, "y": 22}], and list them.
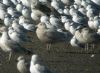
[{"x": 50, "y": 35}]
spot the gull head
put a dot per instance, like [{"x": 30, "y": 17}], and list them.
[
  {"x": 3, "y": 28},
  {"x": 35, "y": 59},
  {"x": 41, "y": 25},
  {"x": 20, "y": 58}
]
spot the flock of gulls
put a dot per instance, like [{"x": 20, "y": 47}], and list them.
[{"x": 71, "y": 21}]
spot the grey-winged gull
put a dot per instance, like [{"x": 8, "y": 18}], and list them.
[
  {"x": 36, "y": 65},
  {"x": 23, "y": 65},
  {"x": 8, "y": 45}
]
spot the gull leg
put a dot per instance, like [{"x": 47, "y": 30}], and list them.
[
  {"x": 48, "y": 47},
  {"x": 10, "y": 55},
  {"x": 86, "y": 47},
  {"x": 92, "y": 47}
]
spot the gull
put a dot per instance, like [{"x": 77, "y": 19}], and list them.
[
  {"x": 18, "y": 37},
  {"x": 67, "y": 25},
  {"x": 91, "y": 23},
  {"x": 34, "y": 4},
  {"x": 8, "y": 20},
  {"x": 8, "y": 45},
  {"x": 55, "y": 21},
  {"x": 15, "y": 2},
  {"x": 64, "y": 19},
  {"x": 36, "y": 65},
  {"x": 26, "y": 12},
  {"x": 49, "y": 35},
  {"x": 26, "y": 3},
  {"x": 2, "y": 14},
  {"x": 96, "y": 22},
  {"x": 57, "y": 4},
  {"x": 36, "y": 15},
  {"x": 86, "y": 36},
  {"x": 13, "y": 12},
  {"x": 75, "y": 43},
  {"x": 76, "y": 6},
  {"x": 7, "y": 2},
  {"x": 92, "y": 11},
  {"x": 22, "y": 20},
  {"x": 96, "y": 2},
  {"x": 82, "y": 10},
  {"x": 45, "y": 2},
  {"x": 18, "y": 28},
  {"x": 28, "y": 26},
  {"x": 78, "y": 2},
  {"x": 84, "y": 3},
  {"x": 67, "y": 2},
  {"x": 79, "y": 18},
  {"x": 73, "y": 27},
  {"x": 98, "y": 30},
  {"x": 72, "y": 10},
  {"x": 19, "y": 7},
  {"x": 66, "y": 10},
  {"x": 44, "y": 19},
  {"x": 23, "y": 65},
  {"x": 3, "y": 6},
  {"x": 91, "y": 7}
]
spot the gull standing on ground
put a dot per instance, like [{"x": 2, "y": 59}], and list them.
[
  {"x": 26, "y": 12},
  {"x": 75, "y": 43},
  {"x": 55, "y": 21},
  {"x": 8, "y": 45},
  {"x": 18, "y": 37},
  {"x": 86, "y": 36},
  {"x": 19, "y": 7},
  {"x": 50, "y": 35},
  {"x": 2, "y": 13},
  {"x": 8, "y": 20},
  {"x": 36, "y": 65},
  {"x": 18, "y": 28},
  {"x": 23, "y": 65},
  {"x": 36, "y": 15}
]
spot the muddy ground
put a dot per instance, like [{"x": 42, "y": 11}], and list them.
[{"x": 61, "y": 58}]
